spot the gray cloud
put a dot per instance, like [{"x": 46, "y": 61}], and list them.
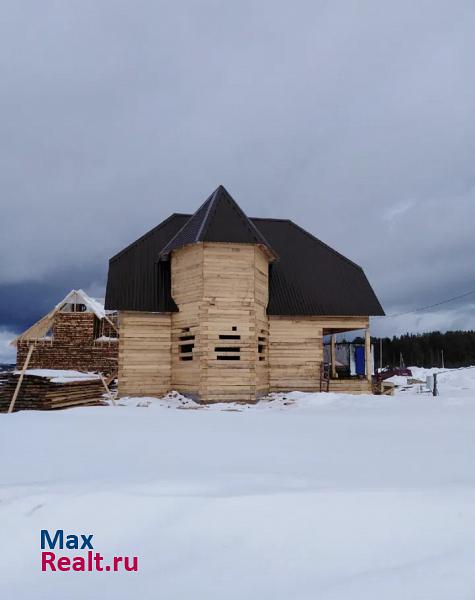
[
  {"x": 352, "y": 118},
  {"x": 7, "y": 352}
]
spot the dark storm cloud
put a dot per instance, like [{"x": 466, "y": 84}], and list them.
[
  {"x": 23, "y": 303},
  {"x": 355, "y": 119}
]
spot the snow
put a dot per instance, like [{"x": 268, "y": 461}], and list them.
[
  {"x": 7, "y": 353},
  {"x": 301, "y": 496},
  {"x": 95, "y": 305},
  {"x": 61, "y": 376}
]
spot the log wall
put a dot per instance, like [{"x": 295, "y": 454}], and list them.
[
  {"x": 228, "y": 323},
  {"x": 221, "y": 291},
  {"x": 144, "y": 354},
  {"x": 295, "y": 353},
  {"x": 187, "y": 292},
  {"x": 261, "y": 296}
]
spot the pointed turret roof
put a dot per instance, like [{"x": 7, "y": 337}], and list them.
[
  {"x": 218, "y": 219},
  {"x": 295, "y": 280}
]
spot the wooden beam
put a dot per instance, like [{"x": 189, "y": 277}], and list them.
[
  {"x": 333, "y": 356},
  {"x": 111, "y": 323},
  {"x": 108, "y": 392},
  {"x": 341, "y": 323},
  {"x": 367, "y": 345},
  {"x": 20, "y": 379}
]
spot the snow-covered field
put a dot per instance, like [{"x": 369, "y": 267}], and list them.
[{"x": 307, "y": 496}]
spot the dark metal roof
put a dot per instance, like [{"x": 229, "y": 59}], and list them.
[
  {"x": 308, "y": 278},
  {"x": 218, "y": 219},
  {"x": 133, "y": 280}
]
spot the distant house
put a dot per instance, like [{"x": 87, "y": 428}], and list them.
[
  {"x": 78, "y": 333},
  {"x": 224, "y": 307}
]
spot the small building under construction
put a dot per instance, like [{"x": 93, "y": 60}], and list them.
[
  {"x": 223, "y": 307},
  {"x": 78, "y": 333}
]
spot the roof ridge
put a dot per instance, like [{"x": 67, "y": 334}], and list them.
[
  {"x": 163, "y": 251},
  {"x": 207, "y": 215},
  {"x": 247, "y": 220}
]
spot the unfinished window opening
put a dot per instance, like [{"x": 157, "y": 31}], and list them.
[
  {"x": 229, "y": 336},
  {"x": 227, "y": 349},
  {"x": 234, "y": 328},
  {"x": 227, "y": 352},
  {"x": 186, "y": 344},
  {"x": 97, "y": 333},
  {"x": 261, "y": 347}
]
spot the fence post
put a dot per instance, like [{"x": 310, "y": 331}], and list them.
[{"x": 435, "y": 391}]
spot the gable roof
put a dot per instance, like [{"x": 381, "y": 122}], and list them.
[
  {"x": 307, "y": 278},
  {"x": 41, "y": 327},
  {"x": 218, "y": 219}
]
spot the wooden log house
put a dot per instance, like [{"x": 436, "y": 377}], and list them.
[{"x": 222, "y": 307}]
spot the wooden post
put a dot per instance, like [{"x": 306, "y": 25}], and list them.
[
  {"x": 367, "y": 347},
  {"x": 435, "y": 391},
  {"x": 106, "y": 387},
  {"x": 20, "y": 379},
  {"x": 333, "y": 355},
  {"x": 380, "y": 354}
]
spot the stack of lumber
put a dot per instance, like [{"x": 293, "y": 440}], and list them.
[
  {"x": 40, "y": 393},
  {"x": 3, "y": 379}
]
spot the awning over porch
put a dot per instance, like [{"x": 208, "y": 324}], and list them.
[{"x": 358, "y": 358}]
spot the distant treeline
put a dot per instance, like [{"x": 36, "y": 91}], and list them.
[{"x": 425, "y": 349}]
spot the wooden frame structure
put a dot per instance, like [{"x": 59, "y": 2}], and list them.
[{"x": 78, "y": 333}]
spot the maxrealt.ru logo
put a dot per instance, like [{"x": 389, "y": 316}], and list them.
[{"x": 89, "y": 560}]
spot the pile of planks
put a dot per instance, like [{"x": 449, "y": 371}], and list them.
[
  {"x": 4, "y": 375},
  {"x": 40, "y": 393}
]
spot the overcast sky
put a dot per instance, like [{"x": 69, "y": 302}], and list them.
[{"x": 353, "y": 118}]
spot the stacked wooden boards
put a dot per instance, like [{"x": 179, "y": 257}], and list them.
[
  {"x": 78, "y": 340},
  {"x": 351, "y": 386},
  {"x": 40, "y": 393}
]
